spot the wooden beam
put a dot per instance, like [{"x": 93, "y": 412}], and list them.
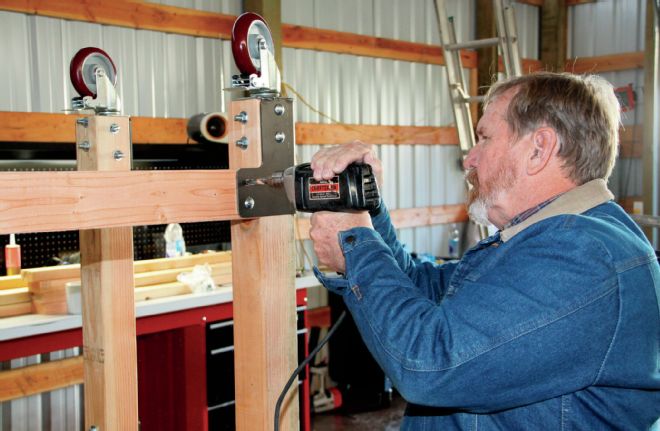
[
  {"x": 408, "y": 217},
  {"x": 131, "y": 14},
  {"x": 192, "y": 22},
  {"x": 107, "y": 292},
  {"x": 264, "y": 304},
  {"x": 578, "y": 2},
  {"x": 488, "y": 62},
  {"x": 606, "y": 63},
  {"x": 295, "y": 36},
  {"x": 554, "y": 35},
  {"x": 319, "y": 134},
  {"x": 60, "y": 128},
  {"x": 651, "y": 131},
  {"x": 60, "y": 201},
  {"x": 44, "y": 377}
]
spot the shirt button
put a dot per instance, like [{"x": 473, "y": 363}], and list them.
[{"x": 350, "y": 239}]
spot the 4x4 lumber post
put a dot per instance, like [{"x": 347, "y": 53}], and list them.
[
  {"x": 554, "y": 35},
  {"x": 264, "y": 298},
  {"x": 487, "y": 62},
  {"x": 108, "y": 309},
  {"x": 650, "y": 155}
]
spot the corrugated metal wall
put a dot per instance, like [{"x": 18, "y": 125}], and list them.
[
  {"x": 167, "y": 75},
  {"x": 354, "y": 89},
  {"x": 612, "y": 27}
]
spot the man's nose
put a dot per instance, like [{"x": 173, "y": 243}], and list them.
[{"x": 470, "y": 161}]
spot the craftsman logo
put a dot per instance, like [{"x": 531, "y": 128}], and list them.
[{"x": 324, "y": 189}]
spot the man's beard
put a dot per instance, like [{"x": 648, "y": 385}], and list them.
[{"x": 481, "y": 197}]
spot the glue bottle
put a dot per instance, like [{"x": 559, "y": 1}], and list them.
[
  {"x": 174, "y": 244},
  {"x": 13, "y": 256}
]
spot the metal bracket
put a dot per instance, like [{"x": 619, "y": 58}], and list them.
[{"x": 277, "y": 144}]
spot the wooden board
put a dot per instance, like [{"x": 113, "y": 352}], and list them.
[
  {"x": 60, "y": 128},
  {"x": 15, "y": 309},
  {"x": 60, "y": 201},
  {"x": 295, "y": 36},
  {"x": 606, "y": 63},
  {"x": 320, "y": 134},
  {"x": 14, "y": 296},
  {"x": 264, "y": 301},
  {"x": 408, "y": 217},
  {"x": 131, "y": 14},
  {"x": 11, "y": 282},
  {"x": 44, "y": 377}
]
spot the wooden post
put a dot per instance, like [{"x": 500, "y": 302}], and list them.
[
  {"x": 108, "y": 307},
  {"x": 487, "y": 62},
  {"x": 264, "y": 298},
  {"x": 554, "y": 35},
  {"x": 651, "y": 133}
]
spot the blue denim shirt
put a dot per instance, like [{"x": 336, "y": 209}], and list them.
[{"x": 553, "y": 324}]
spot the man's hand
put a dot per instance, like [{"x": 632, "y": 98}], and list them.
[
  {"x": 325, "y": 227},
  {"x": 328, "y": 162}
]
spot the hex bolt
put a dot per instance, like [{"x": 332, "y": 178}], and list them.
[
  {"x": 241, "y": 117},
  {"x": 249, "y": 203},
  {"x": 279, "y": 109},
  {"x": 85, "y": 145},
  {"x": 280, "y": 137},
  {"x": 83, "y": 121},
  {"x": 242, "y": 143},
  {"x": 118, "y": 155},
  {"x": 114, "y": 128},
  {"x": 93, "y": 428}
]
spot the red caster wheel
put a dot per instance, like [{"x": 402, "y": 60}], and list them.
[
  {"x": 82, "y": 70},
  {"x": 246, "y": 34}
]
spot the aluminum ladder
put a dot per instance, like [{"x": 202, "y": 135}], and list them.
[{"x": 506, "y": 40}]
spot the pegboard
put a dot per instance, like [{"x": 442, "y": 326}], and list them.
[{"x": 53, "y": 248}]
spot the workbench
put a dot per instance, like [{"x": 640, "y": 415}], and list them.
[{"x": 193, "y": 388}]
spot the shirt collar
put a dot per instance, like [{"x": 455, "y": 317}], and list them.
[{"x": 574, "y": 201}]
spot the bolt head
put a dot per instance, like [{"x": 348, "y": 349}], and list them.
[
  {"x": 280, "y": 137},
  {"x": 118, "y": 155},
  {"x": 84, "y": 145},
  {"x": 82, "y": 121},
  {"x": 242, "y": 143},
  {"x": 279, "y": 109},
  {"x": 114, "y": 128},
  {"x": 249, "y": 203}
]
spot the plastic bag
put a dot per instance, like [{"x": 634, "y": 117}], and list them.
[{"x": 199, "y": 280}]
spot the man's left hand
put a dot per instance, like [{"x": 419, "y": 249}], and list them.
[{"x": 324, "y": 232}]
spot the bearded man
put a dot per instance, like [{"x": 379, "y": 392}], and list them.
[{"x": 553, "y": 322}]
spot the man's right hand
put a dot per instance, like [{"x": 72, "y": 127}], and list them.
[{"x": 328, "y": 162}]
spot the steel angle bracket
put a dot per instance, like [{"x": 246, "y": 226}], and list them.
[{"x": 277, "y": 136}]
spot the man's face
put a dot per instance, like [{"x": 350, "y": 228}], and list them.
[{"x": 491, "y": 164}]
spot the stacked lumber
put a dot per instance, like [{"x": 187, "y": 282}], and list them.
[
  {"x": 43, "y": 290},
  {"x": 14, "y": 296}
]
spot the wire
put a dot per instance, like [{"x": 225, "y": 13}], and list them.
[{"x": 303, "y": 364}]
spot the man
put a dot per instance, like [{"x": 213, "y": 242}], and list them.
[{"x": 551, "y": 323}]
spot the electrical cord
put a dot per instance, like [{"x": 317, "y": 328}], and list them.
[{"x": 303, "y": 364}]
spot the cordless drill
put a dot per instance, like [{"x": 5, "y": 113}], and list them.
[{"x": 354, "y": 189}]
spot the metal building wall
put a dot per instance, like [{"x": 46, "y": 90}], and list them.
[
  {"x": 353, "y": 89},
  {"x": 613, "y": 27}
]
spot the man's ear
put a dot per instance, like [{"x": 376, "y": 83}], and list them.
[{"x": 543, "y": 147}]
